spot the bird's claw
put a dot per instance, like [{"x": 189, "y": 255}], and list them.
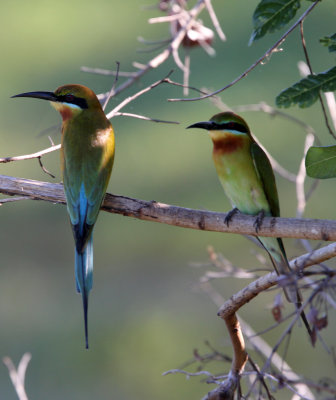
[
  {"x": 259, "y": 220},
  {"x": 230, "y": 215}
]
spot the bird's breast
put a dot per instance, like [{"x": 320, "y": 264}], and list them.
[{"x": 227, "y": 144}]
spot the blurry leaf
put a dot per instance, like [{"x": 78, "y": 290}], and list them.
[
  {"x": 271, "y": 15},
  {"x": 329, "y": 41},
  {"x": 305, "y": 92},
  {"x": 321, "y": 162}
]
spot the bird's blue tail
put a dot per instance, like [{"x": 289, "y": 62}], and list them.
[{"x": 83, "y": 273}]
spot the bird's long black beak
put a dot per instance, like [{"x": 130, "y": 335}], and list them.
[
  {"x": 208, "y": 125},
  {"x": 50, "y": 96}
]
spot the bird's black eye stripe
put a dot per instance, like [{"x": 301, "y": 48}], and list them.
[
  {"x": 232, "y": 126},
  {"x": 71, "y": 99}
]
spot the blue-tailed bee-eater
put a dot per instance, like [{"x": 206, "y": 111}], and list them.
[{"x": 87, "y": 154}]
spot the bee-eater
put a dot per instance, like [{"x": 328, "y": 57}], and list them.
[
  {"x": 248, "y": 180},
  {"x": 87, "y": 154}
]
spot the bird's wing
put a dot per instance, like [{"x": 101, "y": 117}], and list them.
[
  {"x": 85, "y": 184},
  {"x": 266, "y": 175},
  {"x": 97, "y": 175}
]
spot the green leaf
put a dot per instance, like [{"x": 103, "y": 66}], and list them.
[
  {"x": 321, "y": 162},
  {"x": 329, "y": 41},
  {"x": 271, "y": 15},
  {"x": 305, "y": 92}
]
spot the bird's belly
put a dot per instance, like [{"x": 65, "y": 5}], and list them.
[{"x": 242, "y": 185}]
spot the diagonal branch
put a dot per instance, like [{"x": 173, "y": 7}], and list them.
[
  {"x": 30, "y": 156},
  {"x": 265, "y": 282},
  {"x": 314, "y": 229}
]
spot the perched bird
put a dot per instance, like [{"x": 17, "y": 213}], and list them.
[
  {"x": 87, "y": 154},
  {"x": 248, "y": 180}
]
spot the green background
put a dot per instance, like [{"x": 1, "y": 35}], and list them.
[{"x": 146, "y": 313}]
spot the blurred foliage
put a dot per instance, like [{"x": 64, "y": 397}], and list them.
[
  {"x": 146, "y": 314},
  {"x": 307, "y": 90},
  {"x": 321, "y": 162},
  {"x": 330, "y": 42},
  {"x": 271, "y": 15}
]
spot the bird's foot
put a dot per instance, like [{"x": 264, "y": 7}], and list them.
[
  {"x": 230, "y": 215},
  {"x": 259, "y": 220}
]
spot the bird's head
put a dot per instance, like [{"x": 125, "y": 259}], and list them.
[
  {"x": 69, "y": 100},
  {"x": 222, "y": 123}
]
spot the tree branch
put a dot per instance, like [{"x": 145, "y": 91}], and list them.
[
  {"x": 265, "y": 282},
  {"x": 17, "y": 376},
  {"x": 30, "y": 156},
  {"x": 315, "y": 229}
]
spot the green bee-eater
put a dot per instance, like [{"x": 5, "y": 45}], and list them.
[
  {"x": 87, "y": 154},
  {"x": 248, "y": 180}
]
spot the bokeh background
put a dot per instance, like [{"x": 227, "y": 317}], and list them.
[{"x": 146, "y": 313}]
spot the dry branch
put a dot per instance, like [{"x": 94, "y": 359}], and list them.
[
  {"x": 17, "y": 376},
  {"x": 315, "y": 229},
  {"x": 265, "y": 282},
  {"x": 30, "y": 156}
]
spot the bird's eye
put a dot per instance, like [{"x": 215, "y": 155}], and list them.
[{"x": 69, "y": 97}]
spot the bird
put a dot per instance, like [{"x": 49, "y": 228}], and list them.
[
  {"x": 87, "y": 155},
  {"x": 247, "y": 177}
]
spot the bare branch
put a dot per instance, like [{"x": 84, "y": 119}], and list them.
[
  {"x": 214, "y": 20},
  {"x": 44, "y": 169},
  {"x": 265, "y": 282},
  {"x": 101, "y": 71},
  {"x": 30, "y": 156},
  {"x": 259, "y": 61},
  {"x": 301, "y": 177},
  {"x": 144, "y": 118},
  {"x": 12, "y": 199},
  {"x": 18, "y": 376},
  {"x": 330, "y": 97},
  {"x": 183, "y": 217},
  {"x": 129, "y": 99},
  {"x": 111, "y": 92}
]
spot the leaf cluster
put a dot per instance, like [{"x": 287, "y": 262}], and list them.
[{"x": 272, "y": 15}]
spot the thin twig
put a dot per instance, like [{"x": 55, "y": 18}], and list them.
[
  {"x": 144, "y": 118},
  {"x": 214, "y": 20},
  {"x": 314, "y": 229},
  {"x": 330, "y": 97},
  {"x": 17, "y": 376},
  {"x": 44, "y": 169},
  {"x": 259, "y": 61},
  {"x": 111, "y": 92},
  {"x": 301, "y": 177},
  {"x": 129, "y": 99},
  {"x": 30, "y": 156},
  {"x": 12, "y": 199},
  {"x": 101, "y": 71}
]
